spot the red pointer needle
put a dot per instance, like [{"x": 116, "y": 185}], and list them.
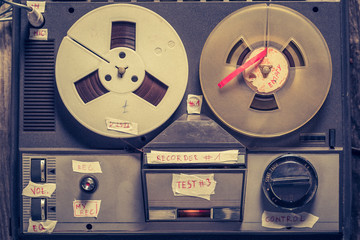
[{"x": 253, "y": 60}]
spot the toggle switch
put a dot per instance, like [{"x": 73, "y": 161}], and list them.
[
  {"x": 36, "y": 19},
  {"x": 38, "y": 170},
  {"x": 38, "y": 209}
]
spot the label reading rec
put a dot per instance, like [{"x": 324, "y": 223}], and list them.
[
  {"x": 86, "y": 208},
  {"x": 39, "y": 190},
  {"x": 195, "y": 185},
  {"x": 278, "y": 220},
  {"x": 86, "y": 167},
  {"x": 47, "y": 226},
  {"x": 38, "y": 34},
  {"x": 162, "y": 157},
  {"x": 122, "y": 126}
]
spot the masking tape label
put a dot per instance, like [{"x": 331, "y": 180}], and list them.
[
  {"x": 86, "y": 167},
  {"x": 121, "y": 126},
  {"x": 39, "y": 190},
  {"x": 162, "y": 157},
  {"x": 47, "y": 226},
  {"x": 86, "y": 208},
  {"x": 196, "y": 185},
  {"x": 278, "y": 220}
]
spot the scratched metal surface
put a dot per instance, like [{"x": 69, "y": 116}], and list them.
[
  {"x": 5, "y": 71},
  {"x": 355, "y": 111}
]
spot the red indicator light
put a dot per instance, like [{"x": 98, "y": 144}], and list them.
[{"x": 203, "y": 213}]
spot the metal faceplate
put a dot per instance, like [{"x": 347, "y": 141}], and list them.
[{"x": 130, "y": 196}]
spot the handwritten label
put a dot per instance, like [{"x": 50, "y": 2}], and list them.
[
  {"x": 196, "y": 185},
  {"x": 194, "y": 103},
  {"x": 162, "y": 157},
  {"x": 39, "y": 190},
  {"x": 86, "y": 208},
  {"x": 86, "y": 167},
  {"x": 38, "y": 34},
  {"x": 122, "y": 126},
  {"x": 40, "y": 6},
  {"x": 280, "y": 220},
  {"x": 270, "y": 74},
  {"x": 47, "y": 226}
]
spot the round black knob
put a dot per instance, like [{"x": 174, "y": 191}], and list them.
[
  {"x": 88, "y": 184},
  {"x": 290, "y": 182}
]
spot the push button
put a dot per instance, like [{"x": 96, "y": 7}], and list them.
[{"x": 88, "y": 184}]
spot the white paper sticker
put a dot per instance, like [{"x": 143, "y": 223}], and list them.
[
  {"x": 194, "y": 103},
  {"x": 161, "y": 157},
  {"x": 39, "y": 190},
  {"x": 86, "y": 208},
  {"x": 122, "y": 126},
  {"x": 38, "y": 34},
  {"x": 46, "y": 226},
  {"x": 40, "y": 6},
  {"x": 86, "y": 167},
  {"x": 280, "y": 220},
  {"x": 196, "y": 185}
]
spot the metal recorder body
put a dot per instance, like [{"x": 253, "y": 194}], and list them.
[{"x": 186, "y": 174}]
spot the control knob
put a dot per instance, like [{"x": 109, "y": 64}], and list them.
[
  {"x": 289, "y": 182},
  {"x": 88, "y": 184}
]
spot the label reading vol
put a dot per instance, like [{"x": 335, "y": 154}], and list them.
[{"x": 39, "y": 190}]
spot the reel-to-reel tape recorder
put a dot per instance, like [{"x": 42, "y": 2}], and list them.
[{"x": 107, "y": 143}]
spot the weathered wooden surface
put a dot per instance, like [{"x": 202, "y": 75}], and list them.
[
  {"x": 5, "y": 83},
  {"x": 5, "y": 71}
]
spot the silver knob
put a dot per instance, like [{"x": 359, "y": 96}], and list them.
[{"x": 88, "y": 184}]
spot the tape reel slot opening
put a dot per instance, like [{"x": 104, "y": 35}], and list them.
[{"x": 294, "y": 55}]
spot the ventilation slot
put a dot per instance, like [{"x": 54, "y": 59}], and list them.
[
  {"x": 313, "y": 138},
  {"x": 39, "y": 80}
]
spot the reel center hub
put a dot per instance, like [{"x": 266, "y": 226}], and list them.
[
  {"x": 269, "y": 74},
  {"x": 124, "y": 72}
]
